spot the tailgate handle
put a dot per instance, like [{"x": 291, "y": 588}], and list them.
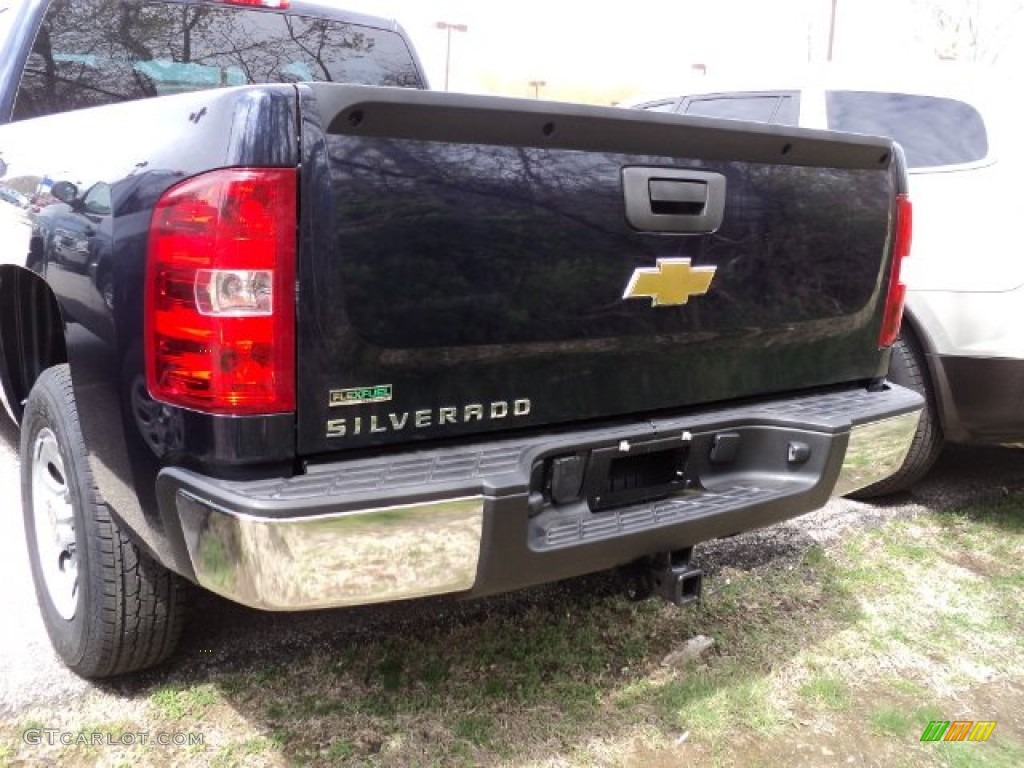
[
  {"x": 673, "y": 199},
  {"x": 681, "y": 196}
]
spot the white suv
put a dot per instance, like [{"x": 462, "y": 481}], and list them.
[{"x": 962, "y": 343}]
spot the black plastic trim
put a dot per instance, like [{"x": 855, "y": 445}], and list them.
[{"x": 469, "y": 119}]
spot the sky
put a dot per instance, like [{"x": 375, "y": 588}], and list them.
[{"x": 585, "y": 51}]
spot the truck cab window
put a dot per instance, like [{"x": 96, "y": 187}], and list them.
[
  {"x": 779, "y": 108},
  {"x": 661, "y": 106},
  {"x": 94, "y": 52}
]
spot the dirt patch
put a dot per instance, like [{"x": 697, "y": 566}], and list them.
[{"x": 983, "y": 567}]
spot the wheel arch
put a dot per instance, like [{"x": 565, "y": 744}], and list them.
[
  {"x": 31, "y": 335},
  {"x": 945, "y": 405}
]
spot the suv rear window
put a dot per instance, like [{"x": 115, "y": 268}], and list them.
[
  {"x": 933, "y": 131},
  {"x": 93, "y": 52}
]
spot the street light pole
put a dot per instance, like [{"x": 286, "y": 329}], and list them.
[
  {"x": 537, "y": 85},
  {"x": 448, "y": 49},
  {"x": 832, "y": 30}
]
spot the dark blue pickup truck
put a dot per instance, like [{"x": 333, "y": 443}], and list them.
[{"x": 278, "y": 321}]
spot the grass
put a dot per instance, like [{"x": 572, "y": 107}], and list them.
[
  {"x": 903, "y": 721},
  {"x": 893, "y": 721},
  {"x": 341, "y": 749},
  {"x": 475, "y": 729},
  {"x": 174, "y": 702},
  {"x": 850, "y": 648},
  {"x": 825, "y": 691},
  {"x": 996, "y": 754}
]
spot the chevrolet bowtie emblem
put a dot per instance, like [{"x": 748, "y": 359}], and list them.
[{"x": 669, "y": 284}]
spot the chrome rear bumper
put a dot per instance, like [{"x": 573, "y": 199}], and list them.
[
  {"x": 476, "y": 519},
  {"x": 876, "y": 450},
  {"x": 352, "y": 558}
]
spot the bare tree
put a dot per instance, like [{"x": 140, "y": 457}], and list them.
[{"x": 970, "y": 30}]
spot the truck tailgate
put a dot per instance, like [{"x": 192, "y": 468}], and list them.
[{"x": 472, "y": 264}]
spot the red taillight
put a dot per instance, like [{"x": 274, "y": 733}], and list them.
[
  {"x": 220, "y": 293},
  {"x": 897, "y": 290}
]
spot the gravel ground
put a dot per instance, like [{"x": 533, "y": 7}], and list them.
[
  {"x": 28, "y": 668},
  {"x": 223, "y": 636}
]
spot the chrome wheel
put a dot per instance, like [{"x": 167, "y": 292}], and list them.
[{"x": 54, "y": 524}]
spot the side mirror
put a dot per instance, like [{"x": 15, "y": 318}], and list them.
[{"x": 64, "y": 191}]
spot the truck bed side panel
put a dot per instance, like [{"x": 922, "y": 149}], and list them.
[{"x": 139, "y": 150}]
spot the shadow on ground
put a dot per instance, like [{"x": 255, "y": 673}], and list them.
[
  {"x": 544, "y": 669},
  {"x": 537, "y": 672}
]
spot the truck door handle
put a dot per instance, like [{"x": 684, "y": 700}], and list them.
[{"x": 673, "y": 199}]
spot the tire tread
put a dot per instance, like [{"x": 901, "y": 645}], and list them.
[{"x": 140, "y": 606}]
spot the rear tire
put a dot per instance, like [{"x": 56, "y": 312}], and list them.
[
  {"x": 108, "y": 608},
  {"x": 909, "y": 369}
]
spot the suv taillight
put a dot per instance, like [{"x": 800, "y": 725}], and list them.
[
  {"x": 897, "y": 290},
  {"x": 220, "y": 293}
]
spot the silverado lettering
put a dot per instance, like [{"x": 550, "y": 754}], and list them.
[
  {"x": 206, "y": 228},
  {"x": 422, "y": 419}
]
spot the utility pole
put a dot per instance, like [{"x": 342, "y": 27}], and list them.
[
  {"x": 832, "y": 30},
  {"x": 537, "y": 85},
  {"x": 448, "y": 49}
]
